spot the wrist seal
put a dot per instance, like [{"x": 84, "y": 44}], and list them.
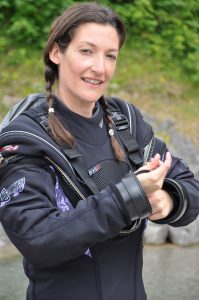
[
  {"x": 179, "y": 197},
  {"x": 134, "y": 197}
]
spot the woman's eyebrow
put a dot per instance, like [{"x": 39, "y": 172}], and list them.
[{"x": 94, "y": 46}]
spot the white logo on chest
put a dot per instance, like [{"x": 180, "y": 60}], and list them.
[{"x": 101, "y": 123}]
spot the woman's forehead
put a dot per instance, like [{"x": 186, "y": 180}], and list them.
[{"x": 95, "y": 34}]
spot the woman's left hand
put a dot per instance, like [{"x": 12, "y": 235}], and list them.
[
  {"x": 161, "y": 204},
  {"x": 152, "y": 180}
]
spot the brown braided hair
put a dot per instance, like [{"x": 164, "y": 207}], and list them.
[
  {"x": 62, "y": 33},
  {"x": 119, "y": 153}
]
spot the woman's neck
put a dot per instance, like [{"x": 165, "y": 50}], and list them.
[{"x": 83, "y": 108}]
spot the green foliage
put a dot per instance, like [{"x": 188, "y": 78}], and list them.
[
  {"x": 166, "y": 29},
  {"x": 26, "y": 22}
]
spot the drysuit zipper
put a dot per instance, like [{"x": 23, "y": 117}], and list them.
[
  {"x": 37, "y": 138},
  {"x": 65, "y": 177},
  {"x": 62, "y": 173},
  {"x": 148, "y": 150}
]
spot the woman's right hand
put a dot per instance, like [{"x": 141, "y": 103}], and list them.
[{"x": 152, "y": 180}]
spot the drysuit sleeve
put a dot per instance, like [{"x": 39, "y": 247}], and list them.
[
  {"x": 183, "y": 188},
  {"x": 47, "y": 236},
  {"x": 180, "y": 182}
]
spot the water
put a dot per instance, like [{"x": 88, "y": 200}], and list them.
[{"x": 170, "y": 273}]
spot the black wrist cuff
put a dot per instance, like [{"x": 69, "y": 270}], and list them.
[
  {"x": 133, "y": 197},
  {"x": 179, "y": 197}
]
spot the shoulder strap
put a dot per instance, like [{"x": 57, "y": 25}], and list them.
[
  {"x": 127, "y": 138},
  {"x": 30, "y": 101},
  {"x": 77, "y": 163},
  {"x": 40, "y": 118}
]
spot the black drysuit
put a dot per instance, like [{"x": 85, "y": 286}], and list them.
[{"x": 79, "y": 251}]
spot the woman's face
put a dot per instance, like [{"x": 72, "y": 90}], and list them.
[{"x": 86, "y": 66}]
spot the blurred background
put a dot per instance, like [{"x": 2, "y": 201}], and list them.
[{"x": 158, "y": 71}]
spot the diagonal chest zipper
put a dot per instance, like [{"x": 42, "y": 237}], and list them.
[
  {"x": 63, "y": 174},
  {"x": 65, "y": 177}
]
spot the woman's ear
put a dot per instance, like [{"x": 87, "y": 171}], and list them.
[{"x": 55, "y": 54}]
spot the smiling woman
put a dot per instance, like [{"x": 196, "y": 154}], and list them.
[
  {"x": 86, "y": 66},
  {"x": 81, "y": 53},
  {"x": 81, "y": 173}
]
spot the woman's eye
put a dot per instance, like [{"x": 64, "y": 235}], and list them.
[
  {"x": 111, "y": 56},
  {"x": 86, "y": 51}
]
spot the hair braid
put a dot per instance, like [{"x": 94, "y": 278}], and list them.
[
  {"x": 56, "y": 129},
  {"x": 119, "y": 153}
]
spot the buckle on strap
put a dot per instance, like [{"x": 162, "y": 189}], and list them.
[
  {"x": 120, "y": 120},
  {"x": 122, "y": 125},
  {"x": 134, "y": 227}
]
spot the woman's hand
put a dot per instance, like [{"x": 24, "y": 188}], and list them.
[
  {"x": 161, "y": 204},
  {"x": 151, "y": 176},
  {"x": 152, "y": 180}
]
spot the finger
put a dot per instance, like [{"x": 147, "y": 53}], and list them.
[
  {"x": 156, "y": 156},
  {"x": 164, "y": 166},
  {"x": 156, "y": 216},
  {"x": 157, "y": 212},
  {"x": 155, "y": 161},
  {"x": 168, "y": 159}
]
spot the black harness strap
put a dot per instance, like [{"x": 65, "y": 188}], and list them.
[
  {"x": 40, "y": 118},
  {"x": 77, "y": 163},
  {"x": 128, "y": 139}
]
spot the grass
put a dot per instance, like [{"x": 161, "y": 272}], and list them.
[
  {"x": 21, "y": 73},
  {"x": 159, "y": 89}
]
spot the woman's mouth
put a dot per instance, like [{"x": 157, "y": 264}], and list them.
[{"x": 92, "y": 80}]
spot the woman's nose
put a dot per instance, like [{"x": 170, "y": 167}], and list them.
[{"x": 98, "y": 65}]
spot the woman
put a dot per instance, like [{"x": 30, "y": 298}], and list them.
[{"x": 74, "y": 199}]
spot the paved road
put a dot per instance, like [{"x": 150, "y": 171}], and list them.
[{"x": 170, "y": 273}]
